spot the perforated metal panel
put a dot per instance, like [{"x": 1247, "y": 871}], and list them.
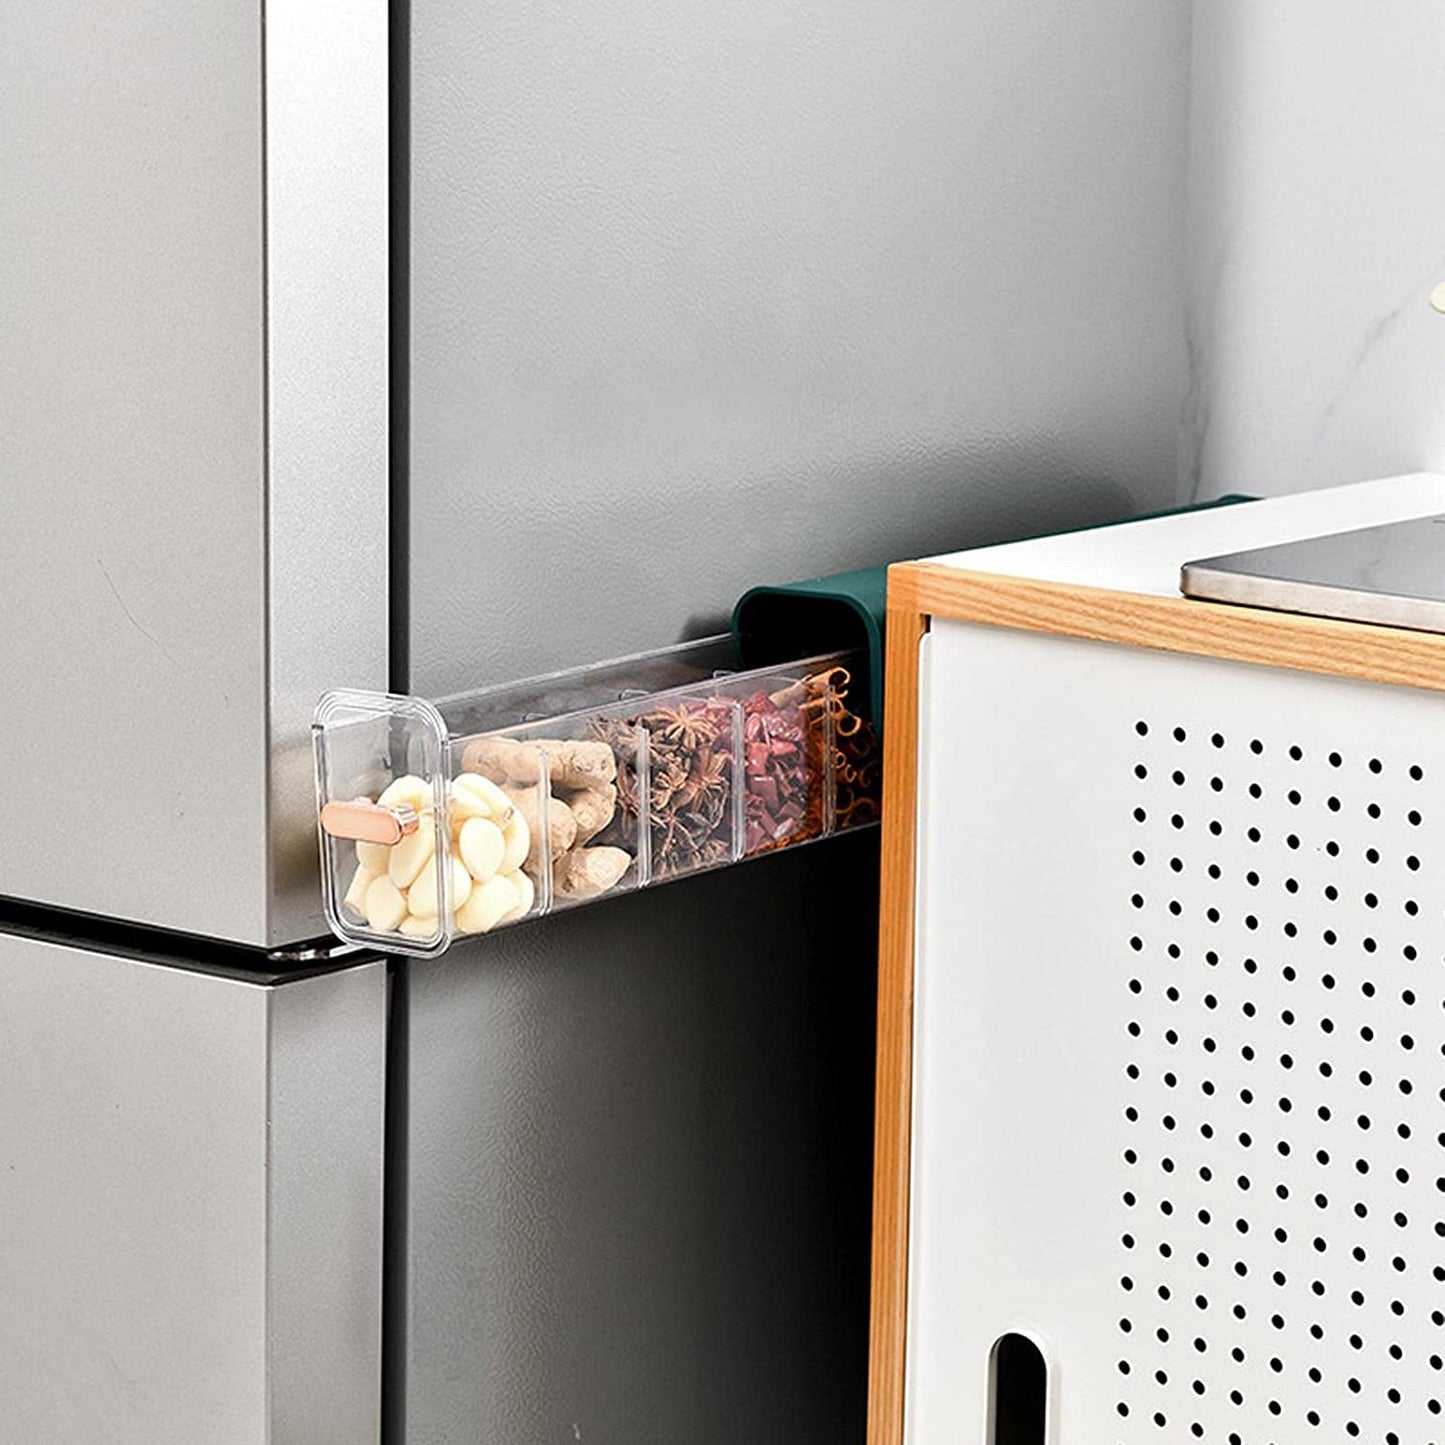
[
  {"x": 1283, "y": 1181},
  {"x": 1180, "y": 1094}
]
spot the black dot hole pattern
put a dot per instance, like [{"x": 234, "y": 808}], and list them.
[{"x": 1281, "y": 1187}]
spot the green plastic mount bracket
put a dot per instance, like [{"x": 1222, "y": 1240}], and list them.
[{"x": 848, "y": 611}]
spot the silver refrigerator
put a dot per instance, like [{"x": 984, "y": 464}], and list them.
[{"x": 422, "y": 346}]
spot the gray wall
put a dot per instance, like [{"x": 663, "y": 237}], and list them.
[
  {"x": 1317, "y": 230},
  {"x": 704, "y": 296}
]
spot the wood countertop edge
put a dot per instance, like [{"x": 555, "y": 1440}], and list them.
[{"x": 1365, "y": 651}]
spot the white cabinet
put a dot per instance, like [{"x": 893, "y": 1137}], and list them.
[{"x": 1172, "y": 1105}]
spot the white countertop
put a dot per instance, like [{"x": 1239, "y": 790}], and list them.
[{"x": 1146, "y": 556}]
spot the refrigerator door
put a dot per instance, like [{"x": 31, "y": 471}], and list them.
[
  {"x": 193, "y": 402},
  {"x": 190, "y": 1190}
]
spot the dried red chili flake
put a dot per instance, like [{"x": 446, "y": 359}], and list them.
[{"x": 782, "y": 769}]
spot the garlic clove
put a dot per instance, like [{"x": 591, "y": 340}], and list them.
[
  {"x": 461, "y": 884},
  {"x": 356, "y": 894},
  {"x": 385, "y": 907},
  {"x": 467, "y": 801},
  {"x": 482, "y": 848},
  {"x": 518, "y": 838},
  {"x": 418, "y": 927},
  {"x": 526, "y": 896},
  {"x": 489, "y": 903},
  {"x": 410, "y": 790},
  {"x": 474, "y": 796},
  {"x": 421, "y": 897},
  {"x": 373, "y": 856},
  {"x": 412, "y": 854}
]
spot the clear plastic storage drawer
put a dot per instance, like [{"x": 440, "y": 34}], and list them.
[{"x": 470, "y": 813}]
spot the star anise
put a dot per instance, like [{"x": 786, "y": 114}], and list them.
[
  {"x": 708, "y": 775},
  {"x": 687, "y": 725},
  {"x": 669, "y": 778}
]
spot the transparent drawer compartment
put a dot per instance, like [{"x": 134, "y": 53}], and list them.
[{"x": 448, "y": 818}]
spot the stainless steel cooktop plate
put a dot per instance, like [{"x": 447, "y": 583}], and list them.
[{"x": 1392, "y": 575}]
